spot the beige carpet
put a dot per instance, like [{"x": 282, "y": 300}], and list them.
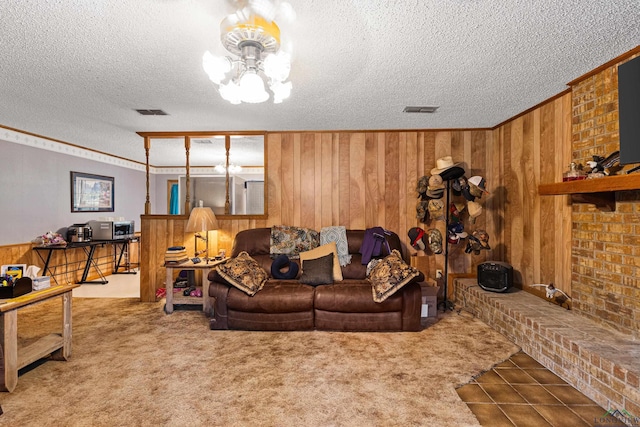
[{"x": 132, "y": 365}]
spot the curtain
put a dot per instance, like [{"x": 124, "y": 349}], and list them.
[{"x": 174, "y": 208}]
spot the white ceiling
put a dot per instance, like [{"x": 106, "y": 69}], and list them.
[{"x": 75, "y": 70}]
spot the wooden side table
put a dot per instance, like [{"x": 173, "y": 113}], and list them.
[
  {"x": 188, "y": 300},
  {"x": 58, "y": 345}
]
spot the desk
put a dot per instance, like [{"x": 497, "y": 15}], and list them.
[
  {"x": 124, "y": 253},
  {"x": 180, "y": 299},
  {"x": 58, "y": 345},
  {"x": 89, "y": 249}
]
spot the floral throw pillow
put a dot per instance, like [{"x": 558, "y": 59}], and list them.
[
  {"x": 244, "y": 273},
  {"x": 389, "y": 275}
]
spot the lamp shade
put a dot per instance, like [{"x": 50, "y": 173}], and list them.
[{"x": 202, "y": 219}]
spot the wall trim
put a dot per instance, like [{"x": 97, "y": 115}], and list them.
[
  {"x": 614, "y": 61},
  {"x": 36, "y": 141}
]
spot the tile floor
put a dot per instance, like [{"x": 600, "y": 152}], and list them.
[{"x": 522, "y": 392}]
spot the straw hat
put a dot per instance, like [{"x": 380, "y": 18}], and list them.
[{"x": 442, "y": 164}]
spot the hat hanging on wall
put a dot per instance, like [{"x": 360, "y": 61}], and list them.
[
  {"x": 467, "y": 194},
  {"x": 435, "y": 194},
  {"x": 435, "y": 189},
  {"x": 436, "y": 209},
  {"x": 454, "y": 213},
  {"x": 421, "y": 188},
  {"x": 442, "y": 164},
  {"x": 474, "y": 209},
  {"x": 457, "y": 229},
  {"x": 421, "y": 210},
  {"x": 477, "y": 241},
  {"x": 458, "y": 184},
  {"x": 436, "y": 182},
  {"x": 477, "y": 186},
  {"x": 434, "y": 237},
  {"x": 416, "y": 234},
  {"x": 454, "y": 172}
]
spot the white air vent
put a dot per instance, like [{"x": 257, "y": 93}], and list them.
[
  {"x": 152, "y": 113},
  {"x": 427, "y": 109},
  {"x": 202, "y": 141}
]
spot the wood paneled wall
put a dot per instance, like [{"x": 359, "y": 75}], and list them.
[
  {"x": 68, "y": 265},
  {"x": 355, "y": 179},
  {"x": 535, "y": 148}
]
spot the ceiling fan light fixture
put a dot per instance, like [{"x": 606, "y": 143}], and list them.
[{"x": 253, "y": 36}]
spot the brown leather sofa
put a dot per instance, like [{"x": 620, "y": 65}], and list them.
[{"x": 290, "y": 305}]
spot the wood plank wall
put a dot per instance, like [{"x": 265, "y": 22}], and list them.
[
  {"x": 356, "y": 179},
  {"x": 535, "y": 148},
  {"x": 364, "y": 179},
  {"x": 68, "y": 264}
]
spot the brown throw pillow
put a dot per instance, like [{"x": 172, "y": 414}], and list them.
[
  {"x": 318, "y": 271},
  {"x": 389, "y": 275},
  {"x": 244, "y": 273}
]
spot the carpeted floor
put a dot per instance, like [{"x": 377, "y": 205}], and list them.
[{"x": 132, "y": 365}]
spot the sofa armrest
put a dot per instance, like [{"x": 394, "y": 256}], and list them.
[
  {"x": 218, "y": 292},
  {"x": 411, "y": 307}
]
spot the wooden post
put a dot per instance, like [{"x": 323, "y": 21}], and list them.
[
  {"x": 147, "y": 203},
  {"x": 187, "y": 199},
  {"x": 227, "y": 203}
]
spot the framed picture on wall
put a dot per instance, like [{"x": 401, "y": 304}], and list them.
[{"x": 91, "y": 193}]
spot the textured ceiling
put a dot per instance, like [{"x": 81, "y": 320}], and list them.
[{"x": 75, "y": 70}]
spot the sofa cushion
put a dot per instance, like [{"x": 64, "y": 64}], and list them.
[
  {"x": 244, "y": 273},
  {"x": 277, "y": 296},
  {"x": 329, "y": 248},
  {"x": 318, "y": 271},
  {"x": 353, "y": 296},
  {"x": 389, "y": 275}
]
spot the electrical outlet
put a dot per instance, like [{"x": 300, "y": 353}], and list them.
[{"x": 438, "y": 274}]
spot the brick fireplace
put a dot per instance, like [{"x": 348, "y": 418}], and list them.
[{"x": 605, "y": 245}]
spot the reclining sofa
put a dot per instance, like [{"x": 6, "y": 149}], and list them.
[{"x": 285, "y": 305}]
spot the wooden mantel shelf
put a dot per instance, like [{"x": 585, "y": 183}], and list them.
[{"x": 599, "y": 191}]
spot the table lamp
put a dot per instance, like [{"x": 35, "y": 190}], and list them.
[{"x": 203, "y": 220}]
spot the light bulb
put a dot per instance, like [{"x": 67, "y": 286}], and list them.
[
  {"x": 231, "y": 92},
  {"x": 281, "y": 91},
  {"x": 216, "y": 67},
  {"x": 278, "y": 66},
  {"x": 252, "y": 88}
]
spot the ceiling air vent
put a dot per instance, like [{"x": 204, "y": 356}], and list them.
[
  {"x": 152, "y": 112},
  {"x": 420, "y": 109}
]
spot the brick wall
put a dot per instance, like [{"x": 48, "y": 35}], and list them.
[
  {"x": 605, "y": 245},
  {"x": 601, "y": 363}
]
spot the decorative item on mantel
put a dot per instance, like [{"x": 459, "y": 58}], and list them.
[
  {"x": 601, "y": 166},
  {"x": 555, "y": 295},
  {"x": 574, "y": 173}
]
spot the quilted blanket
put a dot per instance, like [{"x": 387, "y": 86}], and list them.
[
  {"x": 337, "y": 234},
  {"x": 290, "y": 240}
]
